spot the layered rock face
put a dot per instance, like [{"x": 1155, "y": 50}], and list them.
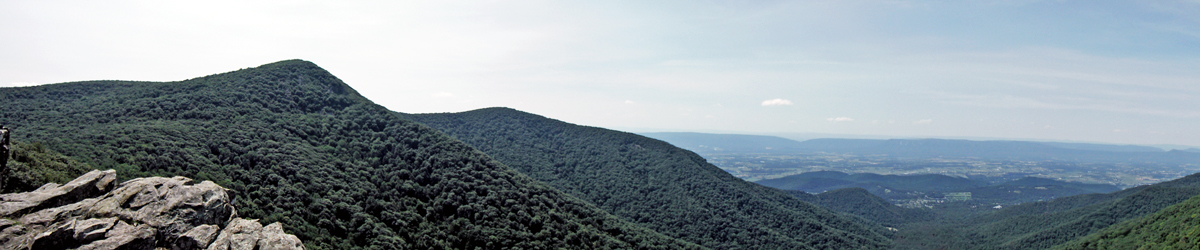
[{"x": 93, "y": 212}]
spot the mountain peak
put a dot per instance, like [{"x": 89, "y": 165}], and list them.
[
  {"x": 293, "y": 72},
  {"x": 304, "y": 149}
]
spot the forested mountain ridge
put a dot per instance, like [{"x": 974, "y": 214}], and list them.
[
  {"x": 1175, "y": 227},
  {"x": 654, "y": 184},
  {"x": 1080, "y": 201},
  {"x": 301, "y": 147}
]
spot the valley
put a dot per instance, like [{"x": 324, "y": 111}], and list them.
[
  {"x": 958, "y": 194},
  {"x": 1018, "y": 171},
  {"x": 760, "y": 166}
]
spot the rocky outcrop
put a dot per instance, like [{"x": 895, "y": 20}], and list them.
[{"x": 92, "y": 212}]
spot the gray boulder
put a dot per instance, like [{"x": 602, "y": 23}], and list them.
[
  {"x": 91, "y": 212},
  {"x": 88, "y": 185},
  {"x": 249, "y": 234}
]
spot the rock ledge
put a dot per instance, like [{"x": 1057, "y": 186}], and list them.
[{"x": 93, "y": 212}]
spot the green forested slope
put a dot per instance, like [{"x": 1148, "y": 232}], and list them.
[
  {"x": 1175, "y": 227},
  {"x": 654, "y": 184},
  {"x": 1040, "y": 231},
  {"x": 1041, "y": 225},
  {"x": 299, "y": 146},
  {"x": 33, "y": 165}
]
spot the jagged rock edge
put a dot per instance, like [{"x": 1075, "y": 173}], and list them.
[{"x": 92, "y": 212}]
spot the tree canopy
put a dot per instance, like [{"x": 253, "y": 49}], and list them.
[
  {"x": 1045, "y": 224},
  {"x": 1175, "y": 227},
  {"x": 301, "y": 147},
  {"x": 655, "y": 184}
]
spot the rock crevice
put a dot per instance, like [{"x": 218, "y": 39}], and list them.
[{"x": 92, "y": 212}]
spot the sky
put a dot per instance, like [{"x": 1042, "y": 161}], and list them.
[{"x": 1123, "y": 72}]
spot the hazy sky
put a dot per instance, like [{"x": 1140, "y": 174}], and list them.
[{"x": 1098, "y": 71}]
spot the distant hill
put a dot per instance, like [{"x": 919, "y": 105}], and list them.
[
  {"x": 1175, "y": 227},
  {"x": 657, "y": 185},
  {"x": 931, "y": 148},
  {"x": 1029, "y": 189},
  {"x": 821, "y": 181},
  {"x": 899, "y": 186},
  {"x": 1103, "y": 147},
  {"x": 859, "y": 202},
  {"x": 299, "y": 146},
  {"x": 1035, "y": 181}
]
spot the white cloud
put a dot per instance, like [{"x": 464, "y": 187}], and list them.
[
  {"x": 776, "y": 102},
  {"x": 840, "y": 119},
  {"x": 922, "y": 121},
  {"x": 629, "y": 102},
  {"x": 443, "y": 94}
]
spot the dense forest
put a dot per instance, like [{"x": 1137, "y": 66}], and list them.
[
  {"x": 1045, "y": 224},
  {"x": 300, "y": 147},
  {"x": 655, "y": 184},
  {"x": 33, "y": 165},
  {"x": 1175, "y": 227}
]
